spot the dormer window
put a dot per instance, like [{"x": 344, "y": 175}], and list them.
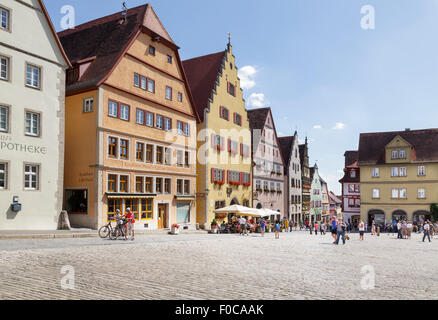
[
  {"x": 152, "y": 50},
  {"x": 394, "y": 154},
  {"x": 353, "y": 174},
  {"x": 402, "y": 154}
]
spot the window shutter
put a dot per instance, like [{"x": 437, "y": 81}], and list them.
[
  {"x": 235, "y": 90},
  {"x": 213, "y": 143},
  {"x": 221, "y": 109},
  {"x": 241, "y": 178},
  {"x": 228, "y": 176},
  {"x": 229, "y": 145},
  {"x": 228, "y": 87},
  {"x": 212, "y": 175},
  {"x": 241, "y": 149},
  {"x": 222, "y": 143}
]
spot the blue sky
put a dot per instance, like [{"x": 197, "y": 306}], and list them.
[{"x": 312, "y": 63}]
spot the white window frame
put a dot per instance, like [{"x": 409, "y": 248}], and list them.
[
  {"x": 6, "y": 112},
  {"x": 113, "y": 106},
  {"x": 421, "y": 193},
  {"x": 168, "y": 94},
  {"x": 403, "y": 193},
  {"x": 6, "y": 66},
  {"x": 394, "y": 154},
  {"x": 33, "y": 69},
  {"x": 124, "y": 112},
  {"x": 150, "y": 119},
  {"x": 32, "y": 124},
  {"x": 394, "y": 172},
  {"x": 402, "y": 154},
  {"x": 402, "y": 172},
  {"x": 376, "y": 193},
  {"x": 140, "y": 120},
  {"x": 4, "y": 172},
  {"x": 151, "y": 85},
  {"x": 167, "y": 124},
  {"x": 137, "y": 78},
  {"x": 421, "y": 171},
  {"x": 35, "y": 174},
  {"x": 376, "y": 172},
  {"x": 8, "y": 18},
  {"x": 180, "y": 97},
  {"x": 395, "y": 194},
  {"x": 88, "y": 105},
  {"x": 159, "y": 122}
]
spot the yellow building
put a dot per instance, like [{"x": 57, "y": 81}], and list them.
[
  {"x": 224, "y": 138},
  {"x": 130, "y": 124},
  {"x": 398, "y": 175}
]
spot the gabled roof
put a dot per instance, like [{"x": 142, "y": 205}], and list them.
[
  {"x": 202, "y": 74},
  {"x": 257, "y": 118},
  {"x": 107, "y": 39},
  {"x": 424, "y": 142},
  {"x": 351, "y": 157},
  {"x": 52, "y": 29},
  {"x": 286, "y": 144},
  {"x": 333, "y": 198}
]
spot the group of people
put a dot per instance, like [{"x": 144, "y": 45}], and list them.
[{"x": 125, "y": 223}]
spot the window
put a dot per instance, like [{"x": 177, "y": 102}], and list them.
[
  {"x": 353, "y": 174},
  {"x": 179, "y": 127},
  {"x": 3, "y": 175},
  {"x": 402, "y": 154},
  {"x": 394, "y": 154},
  {"x": 351, "y": 188},
  {"x": 4, "y": 119},
  {"x": 152, "y": 50},
  {"x": 179, "y": 187},
  {"x": 88, "y": 105},
  {"x": 395, "y": 193},
  {"x": 186, "y": 187},
  {"x": 421, "y": 169},
  {"x": 183, "y": 212},
  {"x": 124, "y": 149},
  {"x": 403, "y": 194},
  {"x": 167, "y": 156},
  {"x": 180, "y": 97},
  {"x": 149, "y": 119},
  {"x": 159, "y": 123},
  {"x": 179, "y": 158},
  {"x": 231, "y": 89},
  {"x": 421, "y": 193},
  {"x": 149, "y": 153},
  {"x": 149, "y": 184},
  {"x": 168, "y": 93},
  {"x": 4, "y": 18},
  {"x": 258, "y": 185},
  {"x": 139, "y": 184},
  {"x": 357, "y": 188},
  {"x": 237, "y": 119},
  {"x": 168, "y": 186},
  {"x": 376, "y": 193},
  {"x": 4, "y": 68},
  {"x": 272, "y": 186},
  {"x": 265, "y": 186},
  {"x": 124, "y": 112},
  {"x": 113, "y": 109},
  {"x": 31, "y": 177},
  {"x": 112, "y": 147},
  {"x": 169, "y": 59},
  {"x": 133, "y": 204},
  {"x": 187, "y": 159},
  {"x": 139, "y": 153},
  {"x": 76, "y": 201},
  {"x": 219, "y": 205},
  {"x": 224, "y": 113},
  {"x": 123, "y": 185},
  {"x": 113, "y": 205},
  {"x": 218, "y": 176},
  {"x": 112, "y": 183},
  {"x": 394, "y": 172},
  {"x": 245, "y": 150},
  {"x": 159, "y": 185},
  {"x": 159, "y": 155},
  {"x": 137, "y": 80},
  {"x": 33, "y": 76},
  {"x": 167, "y": 124},
  {"x": 357, "y": 203},
  {"x": 376, "y": 172},
  {"x": 402, "y": 172},
  {"x": 144, "y": 83},
  {"x": 32, "y": 124},
  {"x": 151, "y": 85},
  {"x": 140, "y": 116},
  {"x": 186, "y": 129},
  {"x": 147, "y": 209},
  {"x": 351, "y": 203}
]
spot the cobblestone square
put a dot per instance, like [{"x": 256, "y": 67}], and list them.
[{"x": 224, "y": 267}]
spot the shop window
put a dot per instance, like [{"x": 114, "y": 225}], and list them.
[{"x": 76, "y": 201}]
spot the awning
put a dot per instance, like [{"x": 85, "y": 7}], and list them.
[
  {"x": 239, "y": 211},
  {"x": 185, "y": 198},
  {"x": 130, "y": 196}
]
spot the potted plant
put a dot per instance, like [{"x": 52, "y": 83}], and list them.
[
  {"x": 214, "y": 226},
  {"x": 174, "y": 229}
]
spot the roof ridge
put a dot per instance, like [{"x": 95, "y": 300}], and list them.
[
  {"x": 402, "y": 131},
  {"x": 204, "y": 56}
]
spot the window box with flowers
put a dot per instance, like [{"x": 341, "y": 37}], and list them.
[
  {"x": 247, "y": 184},
  {"x": 273, "y": 172},
  {"x": 273, "y": 191},
  {"x": 266, "y": 190},
  {"x": 278, "y": 173},
  {"x": 174, "y": 229},
  {"x": 235, "y": 183},
  {"x": 219, "y": 182},
  {"x": 279, "y": 191},
  {"x": 259, "y": 189}
]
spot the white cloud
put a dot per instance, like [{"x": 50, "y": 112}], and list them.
[
  {"x": 339, "y": 126},
  {"x": 246, "y": 75},
  {"x": 256, "y": 100},
  {"x": 317, "y": 127}
]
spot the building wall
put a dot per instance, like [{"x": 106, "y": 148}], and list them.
[
  {"x": 325, "y": 200},
  {"x": 295, "y": 173},
  {"x": 214, "y": 159},
  {"x": 37, "y": 46},
  {"x": 267, "y": 157},
  {"x": 316, "y": 211}
]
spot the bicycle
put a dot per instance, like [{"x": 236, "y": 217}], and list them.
[
  {"x": 119, "y": 231},
  {"x": 106, "y": 231}
]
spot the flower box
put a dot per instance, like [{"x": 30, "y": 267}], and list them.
[
  {"x": 174, "y": 229},
  {"x": 219, "y": 182}
]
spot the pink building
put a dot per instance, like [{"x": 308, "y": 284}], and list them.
[{"x": 268, "y": 169}]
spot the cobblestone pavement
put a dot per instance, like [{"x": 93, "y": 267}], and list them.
[{"x": 223, "y": 267}]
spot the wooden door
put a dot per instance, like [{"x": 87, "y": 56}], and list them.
[{"x": 162, "y": 216}]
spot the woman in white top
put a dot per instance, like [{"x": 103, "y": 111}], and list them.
[{"x": 361, "y": 229}]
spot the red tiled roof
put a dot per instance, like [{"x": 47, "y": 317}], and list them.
[
  {"x": 351, "y": 157},
  {"x": 202, "y": 74},
  {"x": 424, "y": 142},
  {"x": 286, "y": 147},
  {"x": 257, "y": 118},
  {"x": 107, "y": 39}
]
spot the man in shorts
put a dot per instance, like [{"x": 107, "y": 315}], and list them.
[{"x": 130, "y": 217}]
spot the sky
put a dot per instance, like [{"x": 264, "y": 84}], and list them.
[{"x": 312, "y": 62}]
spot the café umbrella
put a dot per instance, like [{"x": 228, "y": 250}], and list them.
[{"x": 239, "y": 211}]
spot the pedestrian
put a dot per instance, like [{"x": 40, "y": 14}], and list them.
[
  {"x": 409, "y": 227},
  {"x": 131, "y": 221},
  {"x": 291, "y": 225},
  {"x": 404, "y": 230},
  {"x": 263, "y": 227},
  {"x": 373, "y": 228},
  {"x": 341, "y": 227},
  {"x": 361, "y": 229},
  {"x": 333, "y": 231},
  {"x": 316, "y": 228},
  {"x": 399, "y": 230},
  {"x": 277, "y": 230},
  {"x": 242, "y": 222},
  {"x": 286, "y": 225},
  {"x": 322, "y": 229},
  {"x": 426, "y": 228}
]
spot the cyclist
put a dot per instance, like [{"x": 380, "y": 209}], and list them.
[{"x": 130, "y": 217}]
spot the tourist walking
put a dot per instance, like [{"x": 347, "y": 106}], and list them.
[
  {"x": 322, "y": 229},
  {"x": 263, "y": 227},
  {"x": 242, "y": 222},
  {"x": 333, "y": 230},
  {"x": 399, "y": 230},
  {"x": 361, "y": 229},
  {"x": 409, "y": 228},
  {"x": 426, "y": 229},
  {"x": 277, "y": 230},
  {"x": 286, "y": 225},
  {"x": 373, "y": 228},
  {"x": 130, "y": 217},
  {"x": 316, "y": 228},
  {"x": 404, "y": 230},
  {"x": 341, "y": 227}
]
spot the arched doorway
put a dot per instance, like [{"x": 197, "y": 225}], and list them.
[
  {"x": 259, "y": 206},
  {"x": 399, "y": 215},
  {"x": 234, "y": 201},
  {"x": 377, "y": 215},
  {"x": 421, "y": 216}
]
